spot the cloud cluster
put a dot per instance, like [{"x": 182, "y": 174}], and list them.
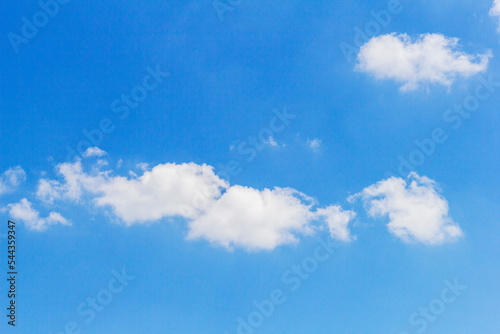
[
  {"x": 225, "y": 215},
  {"x": 235, "y": 216},
  {"x": 31, "y": 218},
  {"x": 416, "y": 211},
  {"x": 428, "y": 59},
  {"x": 11, "y": 179}
]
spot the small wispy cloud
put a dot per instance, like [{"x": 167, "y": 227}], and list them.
[
  {"x": 314, "y": 144},
  {"x": 273, "y": 143},
  {"x": 143, "y": 166},
  {"x": 11, "y": 179},
  {"x": 94, "y": 152}
]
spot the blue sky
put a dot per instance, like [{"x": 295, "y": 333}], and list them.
[{"x": 329, "y": 173}]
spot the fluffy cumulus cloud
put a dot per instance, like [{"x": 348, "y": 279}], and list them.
[
  {"x": 11, "y": 179},
  {"x": 23, "y": 211},
  {"x": 225, "y": 215},
  {"x": 255, "y": 219},
  {"x": 495, "y": 12},
  {"x": 428, "y": 59},
  {"x": 166, "y": 190},
  {"x": 416, "y": 210}
]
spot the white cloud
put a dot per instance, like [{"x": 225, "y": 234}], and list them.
[
  {"x": 254, "y": 219},
  {"x": 495, "y": 12},
  {"x": 430, "y": 58},
  {"x": 74, "y": 184},
  {"x": 416, "y": 211},
  {"x": 338, "y": 221},
  {"x": 142, "y": 166},
  {"x": 94, "y": 152},
  {"x": 230, "y": 216},
  {"x": 165, "y": 191},
  {"x": 102, "y": 162},
  {"x": 273, "y": 143},
  {"x": 11, "y": 178},
  {"x": 314, "y": 144},
  {"x": 49, "y": 190},
  {"x": 31, "y": 218}
]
